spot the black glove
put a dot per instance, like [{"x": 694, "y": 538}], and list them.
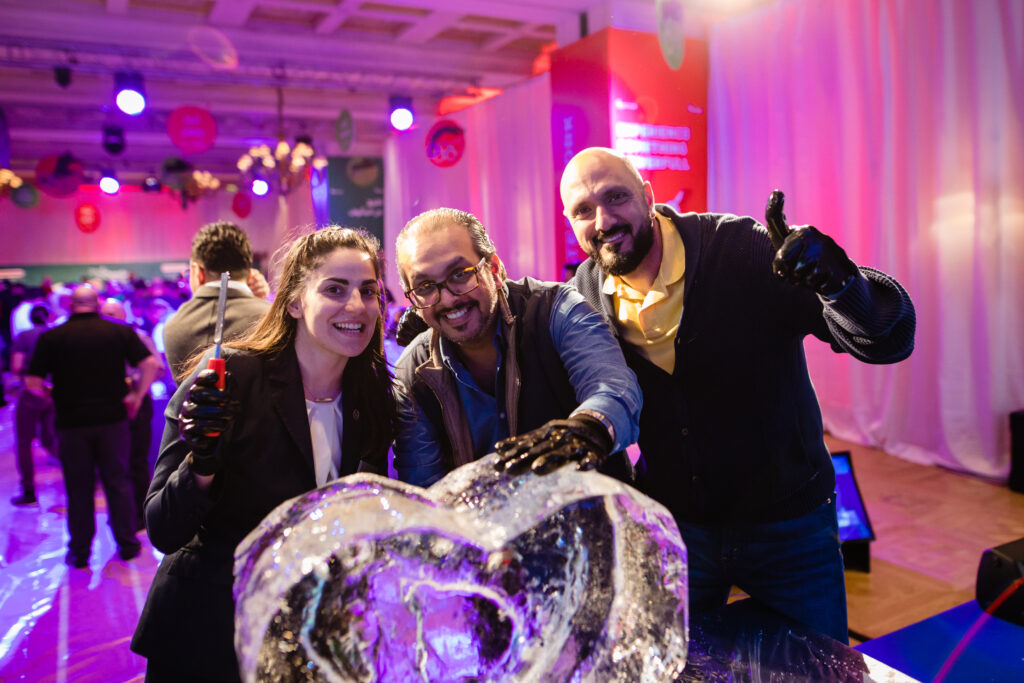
[
  {"x": 581, "y": 439},
  {"x": 205, "y": 417},
  {"x": 409, "y": 327},
  {"x": 806, "y": 256}
]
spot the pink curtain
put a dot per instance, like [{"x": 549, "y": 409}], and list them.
[
  {"x": 895, "y": 127},
  {"x": 504, "y": 177}
]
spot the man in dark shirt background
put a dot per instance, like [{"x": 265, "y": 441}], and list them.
[{"x": 85, "y": 359}]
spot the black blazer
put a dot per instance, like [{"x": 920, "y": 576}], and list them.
[{"x": 188, "y": 620}]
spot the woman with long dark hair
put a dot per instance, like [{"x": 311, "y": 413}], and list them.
[{"x": 308, "y": 398}]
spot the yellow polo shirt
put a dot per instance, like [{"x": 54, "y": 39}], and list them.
[{"x": 649, "y": 321}]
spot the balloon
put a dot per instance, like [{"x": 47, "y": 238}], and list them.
[
  {"x": 241, "y": 204},
  {"x": 59, "y": 175},
  {"x": 25, "y": 196},
  {"x": 87, "y": 217}
]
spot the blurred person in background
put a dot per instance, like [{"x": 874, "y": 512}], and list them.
[
  {"x": 33, "y": 414},
  {"x": 140, "y": 427},
  {"x": 217, "y": 248},
  {"x": 85, "y": 359}
]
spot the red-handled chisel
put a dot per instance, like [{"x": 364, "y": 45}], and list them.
[{"x": 217, "y": 363}]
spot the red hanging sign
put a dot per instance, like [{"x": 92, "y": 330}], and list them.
[
  {"x": 445, "y": 143},
  {"x": 87, "y": 217}
]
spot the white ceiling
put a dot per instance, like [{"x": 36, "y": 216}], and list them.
[{"x": 325, "y": 55}]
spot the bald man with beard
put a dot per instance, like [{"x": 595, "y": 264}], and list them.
[
  {"x": 711, "y": 311},
  {"x": 85, "y": 361}
]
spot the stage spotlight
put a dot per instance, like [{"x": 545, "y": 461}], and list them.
[
  {"x": 130, "y": 94},
  {"x": 108, "y": 183},
  {"x": 260, "y": 187},
  {"x": 113, "y": 139},
  {"x": 151, "y": 184},
  {"x": 401, "y": 112},
  {"x": 62, "y": 74}
]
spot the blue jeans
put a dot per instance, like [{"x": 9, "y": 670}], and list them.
[{"x": 795, "y": 567}]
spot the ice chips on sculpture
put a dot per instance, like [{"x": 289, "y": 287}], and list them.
[{"x": 569, "y": 576}]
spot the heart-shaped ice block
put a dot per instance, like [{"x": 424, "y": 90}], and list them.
[{"x": 570, "y": 576}]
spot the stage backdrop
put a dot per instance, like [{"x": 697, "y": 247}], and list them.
[
  {"x": 897, "y": 128},
  {"x": 503, "y": 176}
]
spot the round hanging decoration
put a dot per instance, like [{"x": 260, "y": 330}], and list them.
[
  {"x": 59, "y": 175},
  {"x": 671, "y": 36},
  {"x": 344, "y": 129},
  {"x": 213, "y": 47},
  {"x": 241, "y": 204},
  {"x": 26, "y": 196},
  {"x": 175, "y": 173},
  {"x": 192, "y": 129},
  {"x": 445, "y": 143},
  {"x": 87, "y": 217}
]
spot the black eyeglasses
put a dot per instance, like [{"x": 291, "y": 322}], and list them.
[{"x": 462, "y": 281}]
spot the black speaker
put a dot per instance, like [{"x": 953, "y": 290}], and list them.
[
  {"x": 1017, "y": 451},
  {"x": 1000, "y": 587}
]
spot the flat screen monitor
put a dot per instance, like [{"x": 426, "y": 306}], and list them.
[{"x": 854, "y": 524}]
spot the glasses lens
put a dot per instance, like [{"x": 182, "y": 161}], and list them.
[
  {"x": 425, "y": 295},
  {"x": 463, "y": 281}
]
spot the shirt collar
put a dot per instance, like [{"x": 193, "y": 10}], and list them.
[{"x": 232, "y": 284}]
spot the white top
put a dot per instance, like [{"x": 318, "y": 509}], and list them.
[{"x": 325, "y": 431}]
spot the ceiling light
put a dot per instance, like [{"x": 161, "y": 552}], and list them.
[
  {"x": 284, "y": 166},
  {"x": 401, "y": 112},
  {"x": 62, "y": 75},
  {"x": 130, "y": 94},
  {"x": 108, "y": 183},
  {"x": 113, "y": 139}
]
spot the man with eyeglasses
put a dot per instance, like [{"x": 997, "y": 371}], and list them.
[{"x": 524, "y": 367}]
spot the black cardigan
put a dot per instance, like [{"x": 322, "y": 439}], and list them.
[{"x": 735, "y": 433}]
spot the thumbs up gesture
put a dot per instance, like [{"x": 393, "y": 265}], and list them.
[{"x": 804, "y": 255}]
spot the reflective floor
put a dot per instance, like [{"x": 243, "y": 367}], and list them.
[{"x": 58, "y": 623}]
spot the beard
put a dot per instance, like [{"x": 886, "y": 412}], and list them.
[
  {"x": 475, "y": 334},
  {"x": 624, "y": 262}
]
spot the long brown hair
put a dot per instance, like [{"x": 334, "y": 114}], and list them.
[{"x": 366, "y": 374}]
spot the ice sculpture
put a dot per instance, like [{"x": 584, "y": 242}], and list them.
[{"x": 570, "y": 576}]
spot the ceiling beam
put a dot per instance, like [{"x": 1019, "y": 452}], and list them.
[
  {"x": 231, "y": 12},
  {"x": 130, "y": 40},
  {"x": 117, "y": 6},
  {"x": 330, "y": 23},
  {"x": 428, "y": 27}
]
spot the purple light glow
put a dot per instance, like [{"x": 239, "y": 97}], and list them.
[
  {"x": 401, "y": 119},
  {"x": 130, "y": 101},
  {"x": 109, "y": 184}
]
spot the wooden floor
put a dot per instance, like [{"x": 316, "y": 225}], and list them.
[{"x": 931, "y": 527}]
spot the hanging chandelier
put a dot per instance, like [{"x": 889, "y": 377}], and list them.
[{"x": 284, "y": 167}]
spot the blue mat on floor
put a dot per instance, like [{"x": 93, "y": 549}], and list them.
[{"x": 992, "y": 649}]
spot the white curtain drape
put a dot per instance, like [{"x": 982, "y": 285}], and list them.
[
  {"x": 896, "y": 127},
  {"x": 505, "y": 178}
]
